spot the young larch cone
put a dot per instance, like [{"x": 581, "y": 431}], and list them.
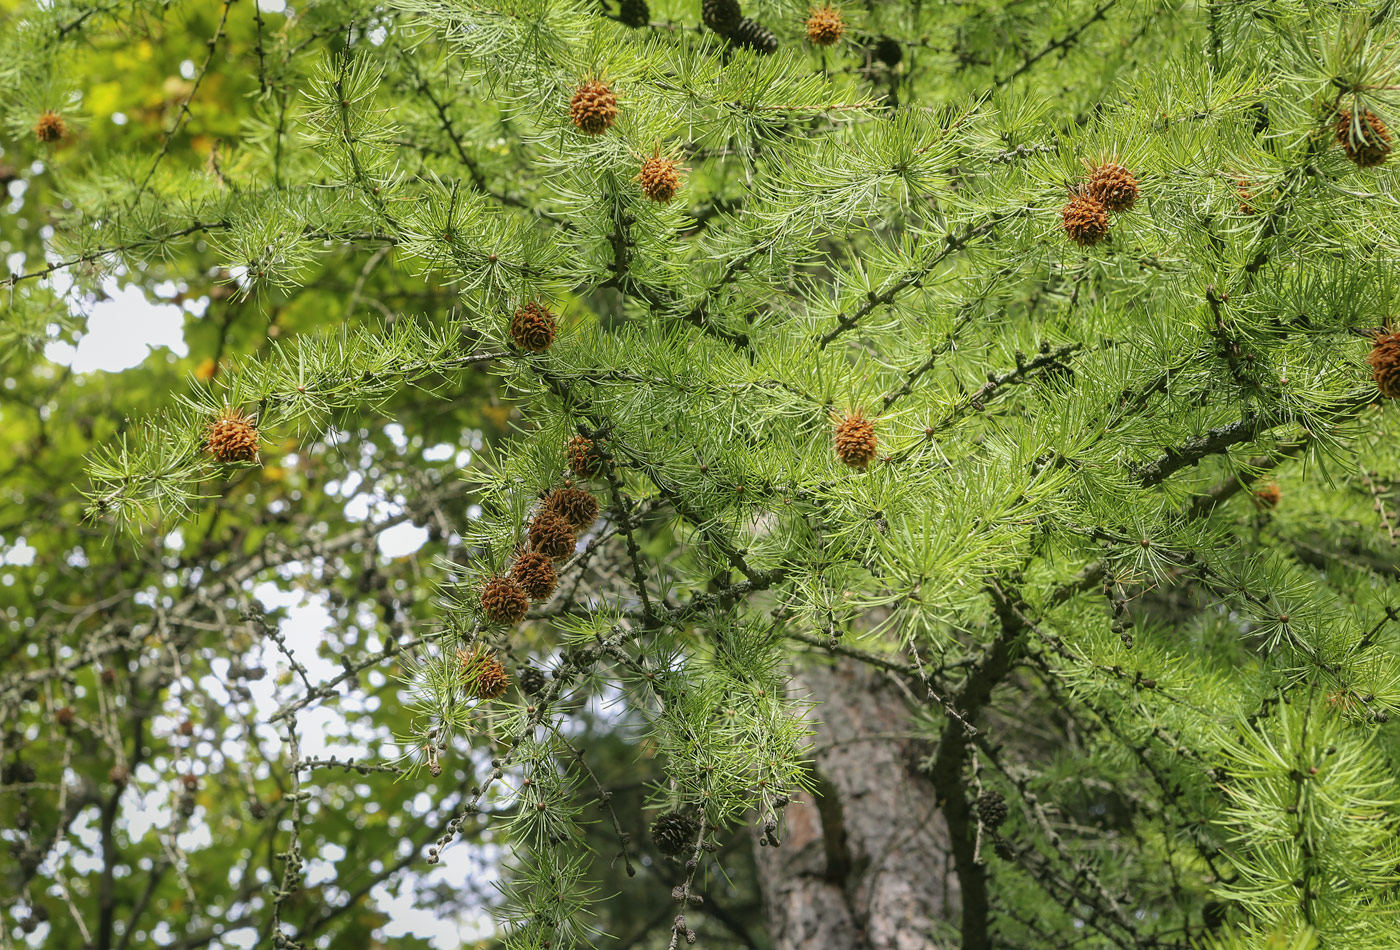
[
  {"x": 755, "y": 36},
  {"x": 824, "y": 25},
  {"x": 534, "y": 572},
  {"x": 1114, "y": 186},
  {"x": 722, "y": 16},
  {"x": 1268, "y": 496},
  {"x": 504, "y": 601},
  {"x": 583, "y": 461},
  {"x": 50, "y": 127},
  {"x": 574, "y": 505},
  {"x": 594, "y": 107},
  {"x": 675, "y": 833},
  {"x": 1385, "y": 363},
  {"x": 551, "y": 535},
  {"x": 634, "y": 13},
  {"x": 1085, "y": 219},
  {"x": 659, "y": 178},
  {"x": 485, "y": 675},
  {"x": 532, "y": 327},
  {"x": 855, "y": 440},
  {"x": 233, "y": 437},
  {"x": 1366, "y": 143}
]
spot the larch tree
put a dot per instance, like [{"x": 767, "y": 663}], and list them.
[{"x": 893, "y": 476}]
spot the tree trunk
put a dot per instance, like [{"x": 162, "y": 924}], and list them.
[{"x": 865, "y": 862}]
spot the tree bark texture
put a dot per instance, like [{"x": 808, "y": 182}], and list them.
[{"x": 865, "y": 862}]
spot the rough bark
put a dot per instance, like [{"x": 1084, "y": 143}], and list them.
[{"x": 865, "y": 862}]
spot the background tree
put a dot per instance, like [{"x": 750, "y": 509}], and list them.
[{"x": 917, "y": 463}]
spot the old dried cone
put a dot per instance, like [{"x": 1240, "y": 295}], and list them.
[
  {"x": 532, "y": 327},
  {"x": 675, "y": 833},
  {"x": 1366, "y": 141},
  {"x": 1085, "y": 220},
  {"x": 855, "y": 439},
  {"x": 534, "y": 572},
  {"x": 825, "y": 25},
  {"x": 593, "y": 108},
  {"x": 504, "y": 601},
  {"x": 1385, "y": 363},
  {"x": 232, "y": 437}
]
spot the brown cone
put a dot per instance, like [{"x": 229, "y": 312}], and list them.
[
  {"x": 1368, "y": 145},
  {"x": 855, "y": 440},
  {"x": 574, "y": 505},
  {"x": 659, "y": 178},
  {"x": 485, "y": 675},
  {"x": 1085, "y": 220},
  {"x": 50, "y": 127},
  {"x": 1113, "y": 185},
  {"x": 551, "y": 535},
  {"x": 233, "y": 437},
  {"x": 534, "y": 572},
  {"x": 594, "y": 107},
  {"x": 532, "y": 327},
  {"x": 1385, "y": 363},
  {"x": 825, "y": 26},
  {"x": 504, "y": 601},
  {"x": 583, "y": 461}
]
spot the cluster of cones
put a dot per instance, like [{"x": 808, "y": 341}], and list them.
[
  {"x": 725, "y": 18},
  {"x": 505, "y": 599},
  {"x": 552, "y": 535},
  {"x": 593, "y": 110},
  {"x": 1109, "y": 188}
]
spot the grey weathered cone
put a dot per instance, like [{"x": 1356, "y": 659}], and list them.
[
  {"x": 752, "y": 35},
  {"x": 634, "y": 13},
  {"x": 722, "y": 16},
  {"x": 674, "y": 833},
  {"x": 991, "y": 808},
  {"x": 531, "y": 680}
]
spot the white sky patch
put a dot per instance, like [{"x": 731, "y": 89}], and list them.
[
  {"x": 402, "y": 539},
  {"x": 21, "y": 553},
  {"x": 121, "y": 331}
]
